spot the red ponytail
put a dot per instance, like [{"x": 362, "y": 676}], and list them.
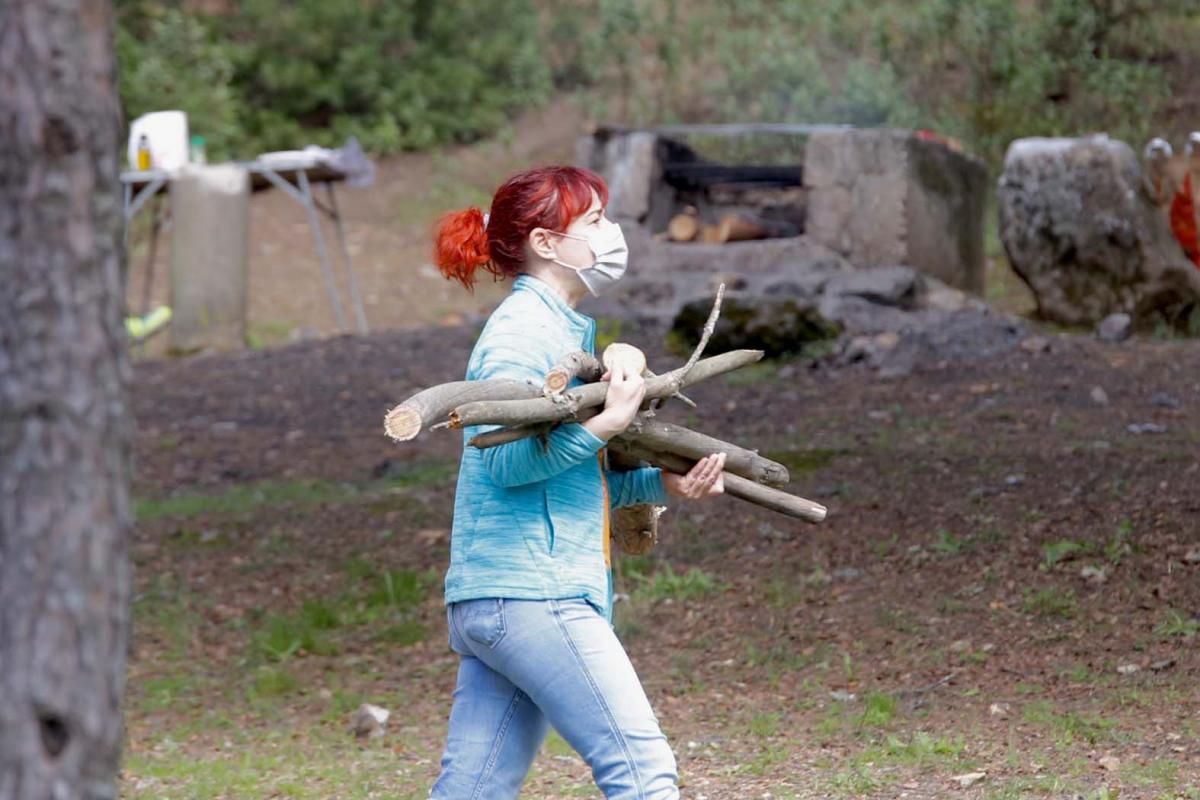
[
  {"x": 461, "y": 246},
  {"x": 546, "y": 197}
]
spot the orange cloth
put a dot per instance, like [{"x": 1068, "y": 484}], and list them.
[{"x": 1183, "y": 220}]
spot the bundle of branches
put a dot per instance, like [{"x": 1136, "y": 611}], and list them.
[{"x": 523, "y": 410}]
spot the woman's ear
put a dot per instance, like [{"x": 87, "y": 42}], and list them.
[{"x": 541, "y": 242}]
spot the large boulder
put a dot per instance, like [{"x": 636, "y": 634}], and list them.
[{"x": 1080, "y": 230}]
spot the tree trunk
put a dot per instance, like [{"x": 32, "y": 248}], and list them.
[{"x": 64, "y": 433}]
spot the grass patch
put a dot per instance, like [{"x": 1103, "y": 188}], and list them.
[
  {"x": 285, "y": 635},
  {"x": 1176, "y": 624},
  {"x": 922, "y": 749},
  {"x": 878, "y": 710},
  {"x": 1049, "y": 602},
  {"x": 1070, "y": 726},
  {"x": 769, "y": 756},
  {"x": 1062, "y": 550},
  {"x": 856, "y": 781},
  {"x": 247, "y": 498},
  {"x": 764, "y": 724},
  {"x": 667, "y": 584},
  {"x": 166, "y": 612},
  {"x": 760, "y": 372},
  {"x": 947, "y": 544},
  {"x": 804, "y": 461},
  {"x": 271, "y": 683},
  {"x": 166, "y": 691}
]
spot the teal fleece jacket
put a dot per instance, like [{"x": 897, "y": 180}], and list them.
[{"x": 530, "y": 517}]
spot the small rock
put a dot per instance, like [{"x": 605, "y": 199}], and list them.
[
  {"x": 325, "y": 694},
  {"x": 887, "y": 340},
  {"x": 1146, "y": 427},
  {"x": 1192, "y": 557},
  {"x": 1099, "y": 396},
  {"x": 1014, "y": 480},
  {"x": 1035, "y": 344},
  {"x": 1163, "y": 666},
  {"x": 1001, "y": 710},
  {"x": 847, "y": 573},
  {"x": 843, "y": 697},
  {"x": 431, "y": 536},
  {"x": 960, "y": 646},
  {"x": 1128, "y": 669},
  {"x": 1110, "y": 763},
  {"x": 1115, "y": 328},
  {"x": 1164, "y": 400},
  {"x": 1093, "y": 574},
  {"x": 368, "y": 721},
  {"x": 969, "y": 779}
]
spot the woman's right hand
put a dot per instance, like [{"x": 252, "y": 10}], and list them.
[{"x": 626, "y": 390}]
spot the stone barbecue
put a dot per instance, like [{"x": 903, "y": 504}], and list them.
[{"x": 819, "y": 200}]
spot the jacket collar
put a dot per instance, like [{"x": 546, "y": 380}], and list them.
[{"x": 578, "y": 322}]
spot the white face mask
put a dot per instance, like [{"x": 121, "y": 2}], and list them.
[{"x": 611, "y": 257}]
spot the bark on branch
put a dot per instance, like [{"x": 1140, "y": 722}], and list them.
[
  {"x": 432, "y": 405},
  {"x": 578, "y": 364},
  {"x": 511, "y": 412},
  {"x": 735, "y": 486},
  {"x": 665, "y": 437}
]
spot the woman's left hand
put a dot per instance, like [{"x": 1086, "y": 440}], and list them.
[{"x": 705, "y": 479}]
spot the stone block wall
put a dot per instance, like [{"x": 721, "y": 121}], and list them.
[{"x": 886, "y": 197}]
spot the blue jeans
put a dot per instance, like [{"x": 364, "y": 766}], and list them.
[{"x": 529, "y": 664}]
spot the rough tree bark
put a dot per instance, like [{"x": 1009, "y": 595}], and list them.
[{"x": 64, "y": 433}]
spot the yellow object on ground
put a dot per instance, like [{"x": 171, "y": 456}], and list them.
[{"x": 142, "y": 327}]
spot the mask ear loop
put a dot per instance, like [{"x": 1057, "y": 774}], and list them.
[{"x": 564, "y": 264}]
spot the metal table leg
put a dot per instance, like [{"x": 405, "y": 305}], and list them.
[
  {"x": 303, "y": 195},
  {"x": 360, "y": 313}
]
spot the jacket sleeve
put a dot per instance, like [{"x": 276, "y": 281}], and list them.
[
  {"x": 636, "y": 486},
  {"x": 510, "y": 356}
]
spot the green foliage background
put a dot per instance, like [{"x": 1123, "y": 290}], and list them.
[{"x": 412, "y": 74}]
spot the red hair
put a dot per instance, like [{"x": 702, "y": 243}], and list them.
[{"x": 545, "y": 197}]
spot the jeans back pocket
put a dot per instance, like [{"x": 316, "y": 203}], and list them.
[{"x": 482, "y": 621}]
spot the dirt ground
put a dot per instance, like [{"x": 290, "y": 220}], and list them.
[
  {"x": 940, "y": 624},
  {"x": 1008, "y": 582}
]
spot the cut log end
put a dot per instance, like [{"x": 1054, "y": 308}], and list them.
[
  {"x": 556, "y": 380},
  {"x": 402, "y": 423},
  {"x": 633, "y": 359}
]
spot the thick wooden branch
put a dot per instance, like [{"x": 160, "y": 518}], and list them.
[
  {"x": 668, "y": 438},
  {"x": 578, "y": 364},
  {"x": 568, "y": 405},
  {"x": 735, "y": 486},
  {"x": 432, "y": 405}
]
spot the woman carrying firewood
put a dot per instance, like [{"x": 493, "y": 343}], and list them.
[{"x": 529, "y": 589}]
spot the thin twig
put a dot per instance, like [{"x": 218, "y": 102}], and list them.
[{"x": 706, "y": 334}]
